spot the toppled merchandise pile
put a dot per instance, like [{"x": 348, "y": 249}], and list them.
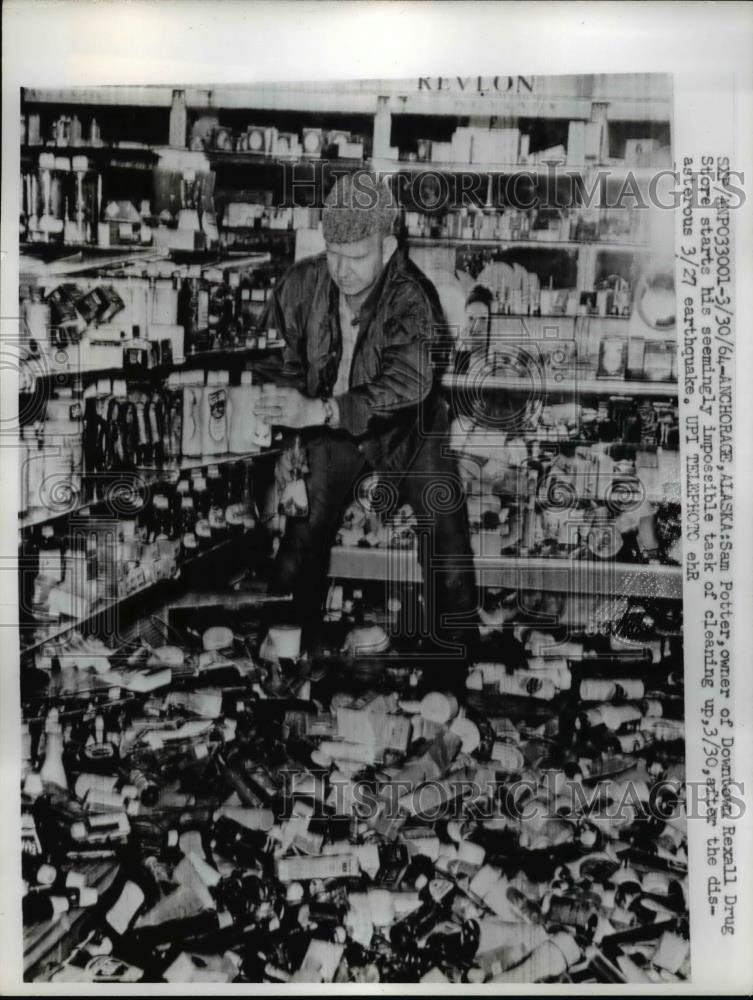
[{"x": 263, "y": 820}]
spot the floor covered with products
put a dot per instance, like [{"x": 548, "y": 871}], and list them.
[{"x": 204, "y": 802}]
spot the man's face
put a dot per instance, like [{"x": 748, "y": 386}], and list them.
[
  {"x": 355, "y": 267},
  {"x": 476, "y": 321}
]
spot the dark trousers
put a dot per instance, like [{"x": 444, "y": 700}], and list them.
[{"x": 434, "y": 490}]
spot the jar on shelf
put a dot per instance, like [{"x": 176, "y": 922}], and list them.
[
  {"x": 51, "y": 566},
  {"x": 217, "y": 493},
  {"x": 161, "y": 523},
  {"x": 201, "y": 497},
  {"x": 36, "y": 315}
]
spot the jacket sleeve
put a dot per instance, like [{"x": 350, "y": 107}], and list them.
[
  {"x": 405, "y": 375},
  {"x": 285, "y": 367}
]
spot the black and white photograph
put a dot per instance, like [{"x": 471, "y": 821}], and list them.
[{"x": 374, "y": 448}]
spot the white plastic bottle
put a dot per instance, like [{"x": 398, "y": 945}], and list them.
[
  {"x": 262, "y": 433},
  {"x": 242, "y": 423},
  {"x": 192, "y": 411},
  {"x": 51, "y": 568},
  {"x": 37, "y": 316},
  {"x": 214, "y": 415},
  {"x": 52, "y": 770}
]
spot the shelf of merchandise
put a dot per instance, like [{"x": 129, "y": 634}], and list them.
[
  {"x": 572, "y": 246},
  {"x": 524, "y": 317},
  {"x": 109, "y": 608},
  {"x": 70, "y": 258},
  {"x": 131, "y": 480},
  {"x": 226, "y": 355},
  {"x": 142, "y": 157},
  {"x": 454, "y": 167},
  {"x": 588, "y": 385},
  {"x": 616, "y": 171},
  {"x": 518, "y": 572},
  {"x": 224, "y": 230},
  {"x": 47, "y": 942},
  {"x": 336, "y": 98},
  {"x": 226, "y": 157},
  {"x": 598, "y": 99}
]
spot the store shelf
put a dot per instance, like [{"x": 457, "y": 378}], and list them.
[
  {"x": 50, "y": 260},
  {"x": 135, "y": 157},
  {"x": 518, "y": 572},
  {"x": 618, "y": 172},
  {"x": 224, "y": 230},
  {"x": 190, "y": 361},
  {"x": 55, "y": 260},
  {"x": 47, "y": 942},
  {"x": 613, "y": 172},
  {"x": 221, "y": 157},
  {"x": 135, "y": 479},
  {"x": 47, "y": 633},
  {"x": 587, "y": 385},
  {"x": 571, "y": 245},
  {"x": 452, "y": 167},
  {"x": 558, "y": 316}
]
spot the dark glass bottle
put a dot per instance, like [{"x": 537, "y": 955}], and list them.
[
  {"x": 248, "y": 848},
  {"x": 28, "y": 569}
]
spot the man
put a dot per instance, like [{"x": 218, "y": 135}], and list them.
[{"x": 356, "y": 376}]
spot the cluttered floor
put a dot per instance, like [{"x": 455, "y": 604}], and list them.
[{"x": 207, "y": 803}]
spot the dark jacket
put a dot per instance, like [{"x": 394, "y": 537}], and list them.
[{"x": 394, "y": 398}]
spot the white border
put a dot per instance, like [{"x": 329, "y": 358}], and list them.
[{"x": 707, "y": 46}]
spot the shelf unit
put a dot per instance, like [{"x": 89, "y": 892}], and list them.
[
  {"x": 223, "y": 356},
  {"x": 110, "y": 608},
  {"x": 221, "y": 157},
  {"x": 572, "y": 246},
  {"x": 47, "y": 942},
  {"x": 384, "y": 105},
  {"x": 519, "y": 572},
  {"x": 137, "y": 479},
  {"x": 587, "y": 385},
  {"x": 135, "y": 156}
]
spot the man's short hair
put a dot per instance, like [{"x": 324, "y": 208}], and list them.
[{"x": 359, "y": 205}]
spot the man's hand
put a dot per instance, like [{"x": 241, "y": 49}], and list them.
[{"x": 290, "y": 408}]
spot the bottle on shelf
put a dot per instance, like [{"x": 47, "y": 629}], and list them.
[
  {"x": 59, "y": 197},
  {"x": 186, "y": 312},
  {"x": 243, "y": 309},
  {"x": 51, "y": 567},
  {"x": 36, "y": 315},
  {"x": 202, "y": 311},
  {"x": 242, "y": 423},
  {"x": 214, "y": 415},
  {"x": 178, "y": 120},
  {"x": 160, "y": 524},
  {"x": 202, "y": 503},
  {"x": 28, "y": 566},
  {"x": 49, "y": 224},
  {"x": 187, "y": 527},
  {"x": 191, "y": 426},
  {"x": 217, "y": 494},
  {"x": 137, "y": 352}
]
